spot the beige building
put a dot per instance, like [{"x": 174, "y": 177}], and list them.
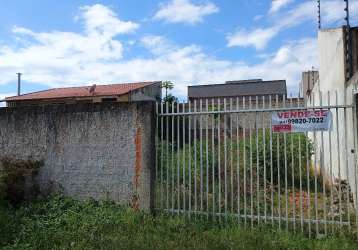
[{"x": 337, "y": 85}]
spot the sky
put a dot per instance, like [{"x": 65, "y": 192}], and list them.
[{"x": 189, "y": 42}]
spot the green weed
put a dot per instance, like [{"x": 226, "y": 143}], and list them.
[{"x": 62, "y": 223}]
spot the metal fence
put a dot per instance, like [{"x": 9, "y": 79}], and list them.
[{"x": 220, "y": 159}]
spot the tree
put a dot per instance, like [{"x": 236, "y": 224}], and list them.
[
  {"x": 170, "y": 98},
  {"x": 167, "y": 85}
]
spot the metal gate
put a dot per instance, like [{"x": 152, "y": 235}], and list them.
[{"x": 220, "y": 159}]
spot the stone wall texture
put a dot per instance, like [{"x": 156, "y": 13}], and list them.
[{"x": 103, "y": 151}]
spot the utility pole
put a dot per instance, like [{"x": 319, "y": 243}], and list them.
[{"x": 19, "y": 83}]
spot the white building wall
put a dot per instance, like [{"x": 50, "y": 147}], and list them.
[{"x": 338, "y": 157}]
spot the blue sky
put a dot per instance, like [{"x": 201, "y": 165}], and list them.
[{"x": 77, "y": 42}]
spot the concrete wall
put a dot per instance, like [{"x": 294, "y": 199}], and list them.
[
  {"x": 104, "y": 151},
  {"x": 333, "y": 88},
  {"x": 331, "y": 59}
]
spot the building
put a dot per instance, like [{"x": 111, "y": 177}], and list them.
[
  {"x": 308, "y": 80},
  {"x": 242, "y": 94},
  {"x": 127, "y": 92},
  {"x": 244, "y": 88},
  {"x": 337, "y": 85}
]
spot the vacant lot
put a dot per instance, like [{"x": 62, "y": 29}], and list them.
[{"x": 61, "y": 223}]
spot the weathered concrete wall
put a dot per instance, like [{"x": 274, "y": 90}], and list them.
[
  {"x": 340, "y": 159},
  {"x": 104, "y": 151},
  {"x": 331, "y": 59}
]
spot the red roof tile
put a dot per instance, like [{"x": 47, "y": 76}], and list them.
[{"x": 84, "y": 91}]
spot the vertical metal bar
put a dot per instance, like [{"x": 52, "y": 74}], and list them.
[
  {"x": 195, "y": 161},
  {"x": 257, "y": 162},
  {"x": 308, "y": 167},
  {"x": 293, "y": 177},
  {"x": 271, "y": 164},
  {"x": 330, "y": 163},
  {"x": 238, "y": 160},
  {"x": 339, "y": 165},
  {"x": 207, "y": 158},
  {"x": 355, "y": 135},
  {"x": 264, "y": 157},
  {"x": 244, "y": 151},
  {"x": 178, "y": 157},
  {"x": 323, "y": 173},
  {"x": 201, "y": 155},
  {"x": 162, "y": 158},
  {"x": 231, "y": 163},
  {"x": 251, "y": 172},
  {"x": 278, "y": 174},
  {"x": 167, "y": 153},
  {"x": 308, "y": 160},
  {"x": 319, "y": 13},
  {"x": 189, "y": 156},
  {"x": 213, "y": 155},
  {"x": 225, "y": 160},
  {"x": 172, "y": 160},
  {"x": 184, "y": 161},
  {"x": 315, "y": 172},
  {"x": 219, "y": 156},
  {"x": 156, "y": 144},
  {"x": 300, "y": 170},
  {"x": 346, "y": 158},
  {"x": 285, "y": 157}
]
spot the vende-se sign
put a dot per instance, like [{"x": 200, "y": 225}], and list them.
[{"x": 301, "y": 121}]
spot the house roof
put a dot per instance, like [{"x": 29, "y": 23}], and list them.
[
  {"x": 255, "y": 87},
  {"x": 83, "y": 91}
]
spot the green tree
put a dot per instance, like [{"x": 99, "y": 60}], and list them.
[
  {"x": 170, "y": 98},
  {"x": 167, "y": 85}
]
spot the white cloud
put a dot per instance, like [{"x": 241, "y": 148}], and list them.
[
  {"x": 332, "y": 13},
  {"x": 183, "y": 11},
  {"x": 258, "y": 17},
  {"x": 158, "y": 45},
  {"x": 57, "y": 56},
  {"x": 260, "y": 37},
  {"x": 257, "y": 38},
  {"x": 277, "y": 5},
  {"x": 99, "y": 19},
  {"x": 60, "y": 59}
]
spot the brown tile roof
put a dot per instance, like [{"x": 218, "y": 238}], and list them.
[{"x": 84, "y": 91}]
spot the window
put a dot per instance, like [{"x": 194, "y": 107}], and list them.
[{"x": 112, "y": 99}]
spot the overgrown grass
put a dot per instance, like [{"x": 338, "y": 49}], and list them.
[
  {"x": 248, "y": 170},
  {"x": 62, "y": 223},
  {"x": 288, "y": 154}
]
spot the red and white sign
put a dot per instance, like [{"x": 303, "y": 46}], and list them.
[{"x": 301, "y": 121}]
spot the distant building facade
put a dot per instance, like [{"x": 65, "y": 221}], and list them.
[
  {"x": 309, "y": 78},
  {"x": 243, "y": 94},
  {"x": 244, "y": 88}
]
